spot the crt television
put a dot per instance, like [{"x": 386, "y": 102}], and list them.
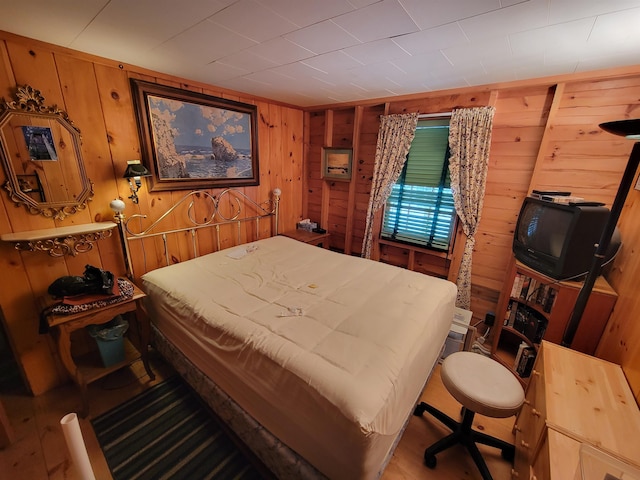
[{"x": 559, "y": 240}]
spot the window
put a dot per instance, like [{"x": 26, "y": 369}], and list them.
[{"x": 420, "y": 209}]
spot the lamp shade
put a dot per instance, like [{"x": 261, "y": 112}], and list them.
[
  {"x": 136, "y": 170},
  {"x": 625, "y": 128}
]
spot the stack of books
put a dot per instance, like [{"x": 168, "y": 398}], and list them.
[
  {"x": 532, "y": 291},
  {"x": 524, "y": 360},
  {"x": 525, "y": 320}
]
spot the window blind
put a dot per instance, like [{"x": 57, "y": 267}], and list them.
[{"x": 420, "y": 209}]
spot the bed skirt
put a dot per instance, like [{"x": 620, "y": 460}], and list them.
[
  {"x": 276, "y": 456},
  {"x": 283, "y": 462}
]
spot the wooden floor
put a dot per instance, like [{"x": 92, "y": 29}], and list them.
[{"x": 39, "y": 451}]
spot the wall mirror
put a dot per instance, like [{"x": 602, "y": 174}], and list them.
[{"x": 41, "y": 155}]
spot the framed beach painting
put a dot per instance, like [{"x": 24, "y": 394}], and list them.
[
  {"x": 189, "y": 140},
  {"x": 336, "y": 163}
]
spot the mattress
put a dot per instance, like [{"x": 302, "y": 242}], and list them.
[{"x": 328, "y": 352}]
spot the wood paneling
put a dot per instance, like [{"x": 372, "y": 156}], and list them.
[
  {"x": 95, "y": 93},
  {"x": 545, "y": 136}
]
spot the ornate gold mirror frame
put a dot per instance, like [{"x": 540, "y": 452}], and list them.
[{"x": 41, "y": 155}]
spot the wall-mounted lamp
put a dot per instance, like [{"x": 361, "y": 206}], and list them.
[{"x": 134, "y": 173}]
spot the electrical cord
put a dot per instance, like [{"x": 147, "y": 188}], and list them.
[{"x": 478, "y": 345}]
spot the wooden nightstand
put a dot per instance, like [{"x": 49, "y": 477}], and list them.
[
  {"x": 312, "y": 238},
  {"x": 88, "y": 368}
]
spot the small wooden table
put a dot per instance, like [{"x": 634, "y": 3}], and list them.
[
  {"x": 312, "y": 238},
  {"x": 87, "y": 369}
]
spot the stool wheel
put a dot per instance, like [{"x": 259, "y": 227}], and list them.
[{"x": 430, "y": 460}]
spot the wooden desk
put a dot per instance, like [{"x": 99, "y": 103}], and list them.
[
  {"x": 89, "y": 368},
  {"x": 312, "y": 238}
]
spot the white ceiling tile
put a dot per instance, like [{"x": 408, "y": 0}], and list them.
[
  {"x": 144, "y": 23},
  {"x": 301, "y": 72},
  {"x": 376, "y": 51},
  {"x": 434, "y": 84},
  {"x": 432, "y": 39},
  {"x": 386, "y": 73},
  {"x": 204, "y": 43},
  {"x": 566, "y": 10},
  {"x": 544, "y": 70},
  {"x": 601, "y": 62},
  {"x": 616, "y": 31},
  {"x": 307, "y": 12},
  {"x": 384, "y": 19},
  {"x": 517, "y": 18},
  {"x": 332, "y": 62},
  {"x": 268, "y": 77},
  {"x": 281, "y": 51},
  {"x": 568, "y": 35},
  {"x": 112, "y": 33},
  {"x": 362, "y": 3},
  {"x": 490, "y": 48},
  {"x": 322, "y": 37},
  {"x": 56, "y": 22},
  {"x": 375, "y": 77},
  {"x": 221, "y": 70},
  {"x": 439, "y": 12},
  {"x": 248, "y": 61},
  {"x": 483, "y": 77},
  {"x": 252, "y": 20},
  {"x": 423, "y": 64}
]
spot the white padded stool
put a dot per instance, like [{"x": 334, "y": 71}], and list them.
[{"x": 483, "y": 386}]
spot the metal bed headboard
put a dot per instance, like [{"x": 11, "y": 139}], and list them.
[{"x": 240, "y": 209}]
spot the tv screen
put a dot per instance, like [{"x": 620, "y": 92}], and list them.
[
  {"x": 558, "y": 240},
  {"x": 544, "y": 228}
]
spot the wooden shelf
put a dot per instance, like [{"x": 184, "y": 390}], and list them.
[
  {"x": 58, "y": 232},
  {"x": 60, "y": 241},
  {"x": 91, "y": 367},
  {"x": 521, "y": 336},
  {"x": 553, "y": 311}
]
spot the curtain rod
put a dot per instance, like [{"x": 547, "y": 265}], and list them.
[{"x": 434, "y": 115}]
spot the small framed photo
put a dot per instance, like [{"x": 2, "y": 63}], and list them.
[{"x": 336, "y": 163}]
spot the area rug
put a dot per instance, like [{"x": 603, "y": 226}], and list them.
[{"x": 167, "y": 432}]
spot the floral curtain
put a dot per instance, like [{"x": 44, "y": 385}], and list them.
[
  {"x": 469, "y": 143},
  {"x": 394, "y": 139}
]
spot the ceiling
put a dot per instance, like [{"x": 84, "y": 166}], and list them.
[{"x": 318, "y": 52}]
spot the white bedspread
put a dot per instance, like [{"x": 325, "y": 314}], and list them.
[{"x": 328, "y": 352}]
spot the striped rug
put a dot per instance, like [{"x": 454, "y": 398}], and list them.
[{"x": 167, "y": 432}]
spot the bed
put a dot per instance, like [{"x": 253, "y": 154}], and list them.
[{"x": 315, "y": 358}]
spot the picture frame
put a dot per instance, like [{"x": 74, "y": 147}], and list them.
[
  {"x": 337, "y": 163},
  {"x": 190, "y": 140}
]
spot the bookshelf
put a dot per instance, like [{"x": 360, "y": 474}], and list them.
[{"x": 533, "y": 307}]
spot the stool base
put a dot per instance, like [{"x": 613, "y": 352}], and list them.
[{"x": 465, "y": 435}]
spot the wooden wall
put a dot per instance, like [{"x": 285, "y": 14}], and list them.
[
  {"x": 96, "y": 95},
  {"x": 545, "y": 136}
]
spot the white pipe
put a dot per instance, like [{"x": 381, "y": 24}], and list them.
[
  {"x": 76, "y": 446},
  {"x": 434, "y": 115}
]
